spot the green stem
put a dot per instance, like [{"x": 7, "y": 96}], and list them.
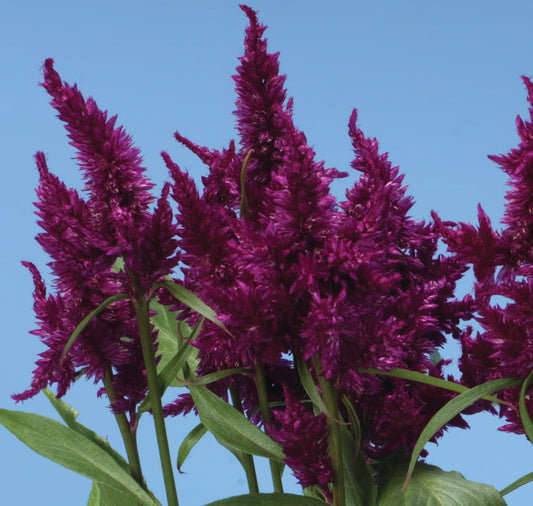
[
  {"x": 248, "y": 464},
  {"x": 260, "y": 383},
  {"x": 329, "y": 394},
  {"x": 128, "y": 434},
  {"x": 145, "y": 333}
]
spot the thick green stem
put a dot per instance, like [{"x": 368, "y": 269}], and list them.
[
  {"x": 145, "y": 332},
  {"x": 260, "y": 383},
  {"x": 248, "y": 464},
  {"x": 128, "y": 434},
  {"x": 330, "y": 397}
]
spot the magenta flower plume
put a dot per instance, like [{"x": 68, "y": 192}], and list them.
[
  {"x": 85, "y": 238},
  {"x": 503, "y": 265},
  {"x": 359, "y": 285},
  {"x": 303, "y": 437}
]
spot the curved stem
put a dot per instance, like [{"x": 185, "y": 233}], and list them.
[
  {"x": 248, "y": 464},
  {"x": 145, "y": 333},
  {"x": 260, "y": 383},
  {"x": 128, "y": 434}
]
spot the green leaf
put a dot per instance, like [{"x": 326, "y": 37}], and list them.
[
  {"x": 215, "y": 376},
  {"x": 118, "y": 265},
  {"x": 452, "y": 408},
  {"x": 189, "y": 443},
  {"x": 275, "y": 499},
  {"x": 169, "y": 330},
  {"x": 70, "y": 416},
  {"x": 231, "y": 428},
  {"x": 190, "y": 300},
  {"x": 355, "y": 424},
  {"x": 517, "y": 484},
  {"x": 314, "y": 492},
  {"x": 309, "y": 385},
  {"x": 245, "y": 208},
  {"x": 169, "y": 368},
  {"x": 420, "y": 377},
  {"x": 359, "y": 485},
  {"x": 106, "y": 496},
  {"x": 79, "y": 329},
  {"x": 74, "y": 451},
  {"x": 431, "y": 486},
  {"x": 524, "y": 415}
]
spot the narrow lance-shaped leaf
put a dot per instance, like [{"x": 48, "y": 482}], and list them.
[
  {"x": 524, "y": 415},
  {"x": 453, "y": 408},
  {"x": 309, "y": 385},
  {"x": 359, "y": 485},
  {"x": 431, "y": 380},
  {"x": 70, "y": 415},
  {"x": 79, "y": 329},
  {"x": 517, "y": 484},
  {"x": 70, "y": 449},
  {"x": 214, "y": 376},
  {"x": 231, "y": 428},
  {"x": 180, "y": 293},
  {"x": 189, "y": 442},
  {"x": 245, "y": 208},
  {"x": 172, "y": 367}
]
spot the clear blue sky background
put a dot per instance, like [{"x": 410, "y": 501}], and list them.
[{"x": 438, "y": 83}]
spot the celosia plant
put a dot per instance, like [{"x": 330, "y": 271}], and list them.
[{"x": 306, "y": 330}]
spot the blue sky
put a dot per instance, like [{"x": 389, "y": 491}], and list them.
[{"x": 438, "y": 84}]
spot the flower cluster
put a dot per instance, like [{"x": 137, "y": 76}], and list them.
[
  {"x": 291, "y": 272},
  {"x": 503, "y": 266},
  {"x": 302, "y": 283},
  {"x": 84, "y": 238}
]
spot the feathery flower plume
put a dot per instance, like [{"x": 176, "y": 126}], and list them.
[
  {"x": 85, "y": 238},
  {"x": 503, "y": 265}
]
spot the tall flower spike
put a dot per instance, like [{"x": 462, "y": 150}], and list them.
[
  {"x": 518, "y": 165},
  {"x": 54, "y": 332},
  {"x": 261, "y": 117},
  {"x": 503, "y": 265},
  {"x": 377, "y": 206},
  {"x": 112, "y": 165}
]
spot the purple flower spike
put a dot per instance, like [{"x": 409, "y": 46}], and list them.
[
  {"x": 303, "y": 437},
  {"x": 503, "y": 266},
  {"x": 54, "y": 332},
  {"x": 119, "y": 193},
  {"x": 84, "y": 239}
]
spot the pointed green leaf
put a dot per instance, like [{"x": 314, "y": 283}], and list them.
[
  {"x": 74, "y": 451},
  {"x": 314, "y": 492},
  {"x": 355, "y": 424},
  {"x": 215, "y": 376},
  {"x": 189, "y": 443},
  {"x": 245, "y": 208},
  {"x": 420, "y": 377},
  {"x": 517, "y": 484},
  {"x": 170, "y": 369},
  {"x": 524, "y": 415},
  {"x": 431, "y": 486},
  {"x": 79, "y": 329},
  {"x": 231, "y": 428},
  {"x": 359, "y": 485},
  {"x": 452, "y": 408},
  {"x": 275, "y": 499},
  {"x": 309, "y": 385},
  {"x": 70, "y": 416},
  {"x": 190, "y": 300}
]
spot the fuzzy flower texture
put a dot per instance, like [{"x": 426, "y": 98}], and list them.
[{"x": 343, "y": 286}]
